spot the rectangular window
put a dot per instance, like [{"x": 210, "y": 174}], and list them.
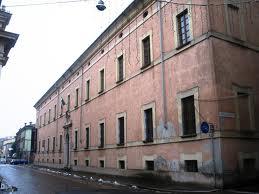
[
  {"x": 75, "y": 162},
  {"x": 44, "y": 122},
  {"x": 40, "y": 120},
  {"x": 87, "y": 137},
  {"x": 249, "y": 165},
  {"x": 191, "y": 165},
  {"x": 53, "y": 146},
  {"x": 188, "y": 116},
  {"x": 59, "y": 161},
  {"x": 121, "y": 130},
  {"x": 148, "y": 116},
  {"x": 76, "y": 138},
  {"x": 121, "y": 164},
  {"x": 243, "y": 110},
  {"x": 60, "y": 143},
  {"x": 48, "y": 146},
  {"x": 61, "y": 109},
  {"x": 77, "y": 97},
  {"x": 68, "y": 102},
  {"x": 184, "y": 34},
  {"x": 53, "y": 161},
  {"x": 49, "y": 115},
  {"x": 39, "y": 147},
  {"x": 146, "y": 51},
  {"x": 101, "y": 145},
  {"x": 43, "y": 145},
  {"x": 101, "y": 89},
  {"x": 120, "y": 68},
  {"x": 55, "y": 112},
  {"x": 87, "y": 163},
  {"x": 150, "y": 165},
  {"x": 101, "y": 163},
  {"x": 87, "y": 90}
]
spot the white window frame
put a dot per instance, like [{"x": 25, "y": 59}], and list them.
[
  {"x": 74, "y": 144},
  {"x": 104, "y": 77},
  {"x": 89, "y": 161},
  {"x": 251, "y": 106},
  {"x": 195, "y": 156},
  {"x": 150, "y": 34},
  {"x": 88, "y": 126},
  {"x": 99, "y": 159},
  {"x": 143, "y": 108},
  {"x": 122, "y": 158},
  {"x": 175, "y": 23},
  {"x": 119, "y": 115},
  {"x": 122, "y": 53},
  {"x": 99, "y": 133},
  {"x": 191, "y": 92},
  {"x": 148, "y": 158},
  {"x": 87, "y": 93}
]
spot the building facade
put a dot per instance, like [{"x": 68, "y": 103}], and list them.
[
  {"x": 7, "y": 148},
  {"x": 133, "y": 102},
  {"x": 7, "y": 39},
  {"x": 26, "y": 142}
]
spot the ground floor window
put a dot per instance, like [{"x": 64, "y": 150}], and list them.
[
  {"x": 150, "y": 165},
  {"x": 191, "y": 165},
  {"x": 101, "y": 163}
]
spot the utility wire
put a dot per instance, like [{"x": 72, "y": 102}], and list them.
[
  {"x": 165, "y": 1},
  {"x": 46, "y": 3}
]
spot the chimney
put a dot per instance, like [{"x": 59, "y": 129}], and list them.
[{"x": 25, "y": 124}]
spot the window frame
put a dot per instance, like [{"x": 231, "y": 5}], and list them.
[
  {"x": 119, "y": 79},
  {"x": 118, "y": 116},
  {"x": 100, "y": 89},
  {"x": 179, "y": 11},
  {"x": 146, "y": 35},
  {"x": 76, "y": 145},
  {"x": 87, "y": 141},
  {"x": 100, "y": 144},
  {"x": 143, "y": 109},
  {"x": 191, "y": 92},
  {"x": 77, "y": 97},
  {"x": 87, "y": 89}
]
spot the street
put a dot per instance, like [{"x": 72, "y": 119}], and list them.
[{"x": 31, "y": 181}]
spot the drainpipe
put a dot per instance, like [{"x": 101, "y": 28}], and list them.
[
  {"x": 81, "y": 106},
  {"x": 161, "y": 37}
]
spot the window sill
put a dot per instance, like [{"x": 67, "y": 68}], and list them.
[
  {"x": 86, "y": 148},
  {"x": 145, "y": 67},
  {"x": 100, "y": 147},
  {"x": 183, "y": 45},
  {"x": 189, "y": 135},
  {"x": 76, "y": 107},
  {"x": 120, "y": 81},
  {"x": 148, "y": 141},
  {"x": 101, "y": 92},
  {"x": 120, "y": 144},
  {"x": 87, "y": 100}
]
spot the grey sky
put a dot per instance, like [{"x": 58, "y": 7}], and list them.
[{"x": 51, "y": 38}]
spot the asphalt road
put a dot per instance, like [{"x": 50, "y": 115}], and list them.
[{"x": 31, "y": 181}]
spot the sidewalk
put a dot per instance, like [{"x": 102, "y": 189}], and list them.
[{"x": 151, "y": 183}]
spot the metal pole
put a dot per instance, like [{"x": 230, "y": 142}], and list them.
[{"x": 161, "y": 33}]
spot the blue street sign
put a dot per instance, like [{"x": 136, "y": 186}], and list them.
[{"x": 205, "y": 127}]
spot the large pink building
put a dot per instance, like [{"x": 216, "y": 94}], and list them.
[{"x": 133, "y": 102}]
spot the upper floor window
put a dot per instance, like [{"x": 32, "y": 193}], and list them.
[
  {"x": 44, "y": 121},
  {"x": 87, "y": 90},
  {"x": 146, "y": 50},
  {"x": 77, "y": 97},
  {"x": 49, "y": 115},
  {"x": 120, "y": 68},
  {"x": 184, "y": 33},
  {"x": 87, "y": 137},
  {"x": 148, "y": 121},
  {"x": 101, "y": 133},
  {"x": 121, "y": 127},
  {"x": 76, "y": 139},
  {"x": 101, "y": 81},
  {"x": 55, "y": 112},
  {"x": 68, "y": 102},
  {"x": 188, "y": 115},
  {"x": 54, "y": 142}
]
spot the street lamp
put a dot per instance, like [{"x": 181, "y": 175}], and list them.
[{"x": 100, "y": 5}]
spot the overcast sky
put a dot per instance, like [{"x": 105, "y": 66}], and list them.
[{"x": 51, "y": 38}]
